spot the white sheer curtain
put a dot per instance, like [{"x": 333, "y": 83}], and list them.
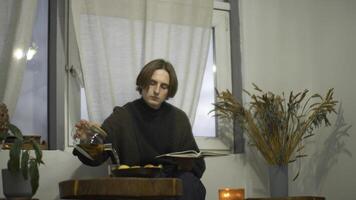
[
  {"x": 117, "y": 37},
  {"x": 16, "y": 22}
]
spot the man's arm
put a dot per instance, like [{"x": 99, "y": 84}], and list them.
[{"x": 187, "y": 142}]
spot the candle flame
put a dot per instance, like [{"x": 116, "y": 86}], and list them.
[{"x": 227, "y": 194}]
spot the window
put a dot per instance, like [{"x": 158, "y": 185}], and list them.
[
  {"x": 212, "y": 133},
  {"x": 31, "y": 110},
  {"x": 217, "y": 75},
  {"x": 204, "y": 122},
  {"x": 40, "y": 106}
]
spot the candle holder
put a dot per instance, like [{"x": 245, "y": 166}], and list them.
[{"x": 231, "y": 194}]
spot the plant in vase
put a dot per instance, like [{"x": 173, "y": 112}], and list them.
[
  {"x": 277, "y": 125},
  {"x": 22, "y": 167}
]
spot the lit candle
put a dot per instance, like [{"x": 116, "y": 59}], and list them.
[{"x": 231, "y": 194}]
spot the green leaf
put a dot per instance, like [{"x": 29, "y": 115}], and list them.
[
  {"x": 3, "y": 135},
  {"x": 24, "y": 164},
  {"x": 15, "y": 151},
  {"x": 34, "y": 175},
  {"x": 38, "y": 152},
  {"x": 15, "y": 131}
]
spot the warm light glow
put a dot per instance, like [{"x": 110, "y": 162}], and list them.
[
  {"x": 227, "y": 194},
  {"x": 18, "y": 54},
  {"x": 214, "y": 68},
  {"x": 231, "y": 194}
]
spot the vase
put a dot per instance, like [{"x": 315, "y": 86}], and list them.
[
  {"x": 15, "y": 186},
  {"x": 278, "y": 180}
]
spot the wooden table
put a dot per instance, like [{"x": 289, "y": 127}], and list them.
[
  {"x": 119, "y": 187},
  {"x": 289, "y": 198}
]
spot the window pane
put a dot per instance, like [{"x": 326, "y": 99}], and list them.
[
  {"x": 204, "y": 123},
  {"x": 31, "y": 110}
]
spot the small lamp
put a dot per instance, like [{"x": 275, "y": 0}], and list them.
[{"x": 231, "y": 194}]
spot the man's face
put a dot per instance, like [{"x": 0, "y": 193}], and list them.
[{"x": 156, "y": 92}]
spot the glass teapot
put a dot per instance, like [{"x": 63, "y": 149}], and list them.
[{"x": 89, "y": 139}]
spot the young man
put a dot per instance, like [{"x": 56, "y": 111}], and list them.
[{"x": 149, "y": 126}]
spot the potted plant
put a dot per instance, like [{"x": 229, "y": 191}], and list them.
[
  {"x": 277, "y": 125},
  {"x": 22, "y": 166}
]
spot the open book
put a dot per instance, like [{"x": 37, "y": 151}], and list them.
[{"x": 192, "y": 154}]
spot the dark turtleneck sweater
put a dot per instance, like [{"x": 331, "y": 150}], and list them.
[{"x": 139, "y": 133}]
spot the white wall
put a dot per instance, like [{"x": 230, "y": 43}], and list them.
[{"x": 291, "y": 45}]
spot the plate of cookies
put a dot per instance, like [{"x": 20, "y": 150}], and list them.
[{"x": 148, "y": 170}]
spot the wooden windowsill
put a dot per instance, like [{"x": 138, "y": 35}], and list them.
[{"x": 25, "y": 146}]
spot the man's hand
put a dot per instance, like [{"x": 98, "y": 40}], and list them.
[
  {"x": 81, "y": 130},
  {"x": 84, "y": 130}
]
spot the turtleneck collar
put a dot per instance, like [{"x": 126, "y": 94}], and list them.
[{"x": 149, "y": 109}]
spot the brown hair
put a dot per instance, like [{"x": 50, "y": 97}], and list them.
[{"x": 144, "y": 78}]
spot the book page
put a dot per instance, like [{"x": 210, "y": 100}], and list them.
[{"x": 192, "y": 154}]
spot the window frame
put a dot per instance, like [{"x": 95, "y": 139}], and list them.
[
  {"x": 57, "y": 60},
  {"x": 222, "y": 62}
]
